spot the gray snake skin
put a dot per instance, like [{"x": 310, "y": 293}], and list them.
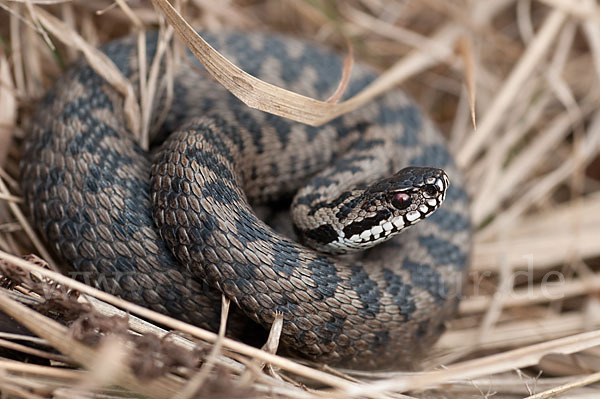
[{"x": 90, "y": 193}]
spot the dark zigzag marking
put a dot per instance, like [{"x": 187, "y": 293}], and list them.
[
  {"x": 401, "y": 292},
  {"x": 428, "y": 279},
  {"x": 443, "y": 252}
]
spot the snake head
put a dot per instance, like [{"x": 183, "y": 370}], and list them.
[
  {"x": 410, "y": 195},
  {"x": 387, "y": 207}
]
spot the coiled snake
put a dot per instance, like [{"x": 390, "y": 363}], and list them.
[{"x": 88, "y": 186}]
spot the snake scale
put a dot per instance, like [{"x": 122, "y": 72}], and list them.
[{"x": 96, "y": 198}]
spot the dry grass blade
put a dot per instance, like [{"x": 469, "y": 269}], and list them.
[
  {"x": 58, "y": 336},
  {"x": 346, "y": 72},
  {"x": 416, "y": 41},
  {"x": 522, "y": 166},
  {"x": 586, "y": 151},
  {"x": 518, "y": 333},
  {"x": 99, "y": 61},
  {"x": 535, "y": 242},
  {"x": 195, "y": 383},
  {"x": 283, "y": 363},
  {"x": 550, "y": 393},
  {"x": 32, "y": 351},
  {"x": 517, "y": 358},
  {"x": 14, "y": 208},
  {"x": 465, "y": 49},
  {"x": 525, "y": 67},
  {"x": 275, "y": 100},
  {"x": 593, "y": 35},
  {"x": 8, "y": 107},
  {"x": 252, "y": 91},
  {"x": 274, "y": 334},
  {"x": 110, "y": 361},
  {"x": 536, "y": 295},
  {"x": 41, "y": 2},
  {"x": 153, "y": 82},
  {"x": 33, "y": 12},
  {"x": 46, "y": 371},
  {"x": 587, "y": 11},
  {"x": 15, "y": 42}
]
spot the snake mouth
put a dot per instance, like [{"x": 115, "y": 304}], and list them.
[{"x": 377, "y": 233}]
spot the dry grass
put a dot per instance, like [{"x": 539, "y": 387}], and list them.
[{"x": 526, "y": 71}]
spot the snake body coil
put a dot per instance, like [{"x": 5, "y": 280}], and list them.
[{"x": 88, "y": 187}]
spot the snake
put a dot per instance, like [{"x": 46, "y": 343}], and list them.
[{"x": 175, "y": 228}]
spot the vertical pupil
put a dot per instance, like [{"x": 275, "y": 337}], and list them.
[{"x": 401, "y": 200}]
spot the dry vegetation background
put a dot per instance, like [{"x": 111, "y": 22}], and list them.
[{"x": 530, "y": 323}]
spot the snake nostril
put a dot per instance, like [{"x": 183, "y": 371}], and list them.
[{"x": 431, "y": 190}]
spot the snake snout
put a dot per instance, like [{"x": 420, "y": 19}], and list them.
[{"x": 417, "y": 192}]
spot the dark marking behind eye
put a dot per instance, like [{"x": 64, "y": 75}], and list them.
[{"x": 323, "y": 234}]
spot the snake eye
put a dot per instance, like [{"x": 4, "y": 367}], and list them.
[
  {"x": 431, "y": 190},
  {"x": 401, "y": 200}
]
